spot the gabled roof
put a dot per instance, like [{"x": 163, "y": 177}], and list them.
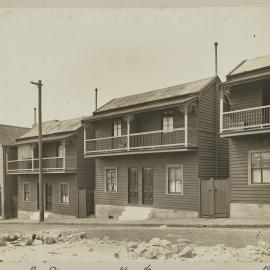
[
  {"x": 9, "y": 134},
  {"x": 167, "y": 93},
  {"x": 54, "y": 127},
  {"x": 251, "y": 65}
]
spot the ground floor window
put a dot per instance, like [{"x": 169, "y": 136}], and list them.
[
  {"x": 110, "y": 179},
  {"x": 174, "y": 179},
  {"x": 260, "y": 167},
  {"x": 64, "y": 193},
  {"x": 26, "y": 192}
]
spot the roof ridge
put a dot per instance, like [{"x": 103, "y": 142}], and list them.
[
  {"x": 212, "y": 77},
  {"x": 7, "y": 125}
]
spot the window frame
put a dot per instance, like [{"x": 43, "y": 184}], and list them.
[
  {"x": 250, "y": 183},
  {"x": 163, "y": 126},
  {"x": 60, "y": 190},
  {"x": 175, "y": 165},
  {"x": 105, "y": 179},
  {"x": 30, "y": 193},
  {"x": 118, "y": 128}
]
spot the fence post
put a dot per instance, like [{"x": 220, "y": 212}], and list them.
[{"x": 212, "y": 196}]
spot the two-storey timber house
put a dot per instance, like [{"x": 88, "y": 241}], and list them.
[
  {"x": 68, "y": 177},
  {"x": 152, "y": 149},
  {"x": 246, "y": 121}
]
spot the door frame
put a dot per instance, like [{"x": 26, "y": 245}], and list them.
[
  {"x": 45, "y": 197},
  {"x": 144, "y": 204},
  {"x": 138, "y": 170}
]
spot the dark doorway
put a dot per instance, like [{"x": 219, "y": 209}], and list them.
[
  {"x": 147, "y": 187},
  {"x": 48, "y": 197},
  {"x": 133, "y": 185},
  {"x": 266, "y": 93}
]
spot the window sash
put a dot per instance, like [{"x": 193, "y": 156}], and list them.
[
  {"x": 64, "y": 193},
  {"x": 117, "y": 128},
  {"x": 26, "y": 192},
  {"x": 111, "y": 180},
  {"x": 168, "y": 123},
  {"x": 175, "y": 179},
  {"x": 260, "y": 167}
]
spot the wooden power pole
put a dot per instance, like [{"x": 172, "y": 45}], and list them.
[{"x": 41, "y": 201}]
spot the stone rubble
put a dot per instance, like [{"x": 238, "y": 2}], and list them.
[{"x": 40, "y": 238}]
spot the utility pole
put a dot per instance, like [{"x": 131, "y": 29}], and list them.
[{"x": 41, "y": 202}]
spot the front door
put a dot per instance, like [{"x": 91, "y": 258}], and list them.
[
  {"x": 147, "y": 187},
  {"x": 48, "y": 197},
  {"x": 133, "y": 190}
]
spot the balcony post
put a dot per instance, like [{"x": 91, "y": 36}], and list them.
[
  {"x": 64, "y": 155},
  {"x": 186, "y": 124},
  {"x": 33, "y": 157},
  {"x": 128, "y": 131},
  {"x": 84, "y": 139},
  {"x": 221, "y": 95}
]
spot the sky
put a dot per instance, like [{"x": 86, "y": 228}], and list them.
[{"x": 119, "y": 51}]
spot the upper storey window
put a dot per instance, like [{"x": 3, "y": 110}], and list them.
[
  {"x": 117, "y": 128},
  {"x": 167, "y": 123}
]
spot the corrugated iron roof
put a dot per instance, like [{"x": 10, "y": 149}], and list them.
[
  {"x": 9, "y": 134},
  {"x": 53, "y": 127},
  {"x": 143, "y": 107},
  {"x": 251, "y": 64},
  {"x": 155, "y": 95},
  {"x": 44, "y": 139}
]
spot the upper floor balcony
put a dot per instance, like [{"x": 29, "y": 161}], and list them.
[
  {"x": 139, "y": 133},
  {"x": 57, "y": 158},
  {"x": 249, "y": 109}
]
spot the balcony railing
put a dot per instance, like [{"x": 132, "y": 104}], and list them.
[
  {"x": 137, "y": 141},
  {"x": 50, "y": 164},
  {"x": 257, "y": 117}
]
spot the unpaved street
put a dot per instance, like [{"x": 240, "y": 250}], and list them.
[{"x": 58, "y": 243}]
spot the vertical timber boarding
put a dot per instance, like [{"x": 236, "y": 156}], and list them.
[{"x": 214, "y": 198}]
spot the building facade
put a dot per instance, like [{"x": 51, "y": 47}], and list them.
[
  {"x": 8, "y": 134},
  {"x": 68, "y": 178},
  {"x": 247, "y": 123},
  {"x": 152, "y": 149}
]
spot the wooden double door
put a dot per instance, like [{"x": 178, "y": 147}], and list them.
[
  {"x": 214, "y": 198},
  {"x": 147, "y": 186}
]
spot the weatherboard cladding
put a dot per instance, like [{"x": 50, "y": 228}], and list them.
[
  {"x": 188, "y": 201},
  {"x": 241, "y": 192},
  {"x": 55, "y": 180}
]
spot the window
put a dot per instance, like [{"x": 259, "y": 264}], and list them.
[
  {"x": 175, "y": 179},
  {"x": 260, "y": 168},
  {"x": 110, "y": 178},
  {"x": 60, "y": 150},
  {"x": 64, "y": 193},
  {"x": 168, "y": 123},
  {"x": 117, "y": 128},
  {"x": 26, "y": 192}
]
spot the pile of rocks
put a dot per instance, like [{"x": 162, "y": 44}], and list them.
[
  {"x": 40, "y": 238},
  {"x": 158, "y": 248}
]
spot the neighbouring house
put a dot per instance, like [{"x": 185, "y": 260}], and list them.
[
  {"x": 152, "y": 149},
  {"x": 8, "y": 134},
  {"x": 247, "y": 123},
  {"x": 67, "y": 176}
]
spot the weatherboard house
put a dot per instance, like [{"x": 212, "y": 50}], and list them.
[
  {"x": 68, "y": 177},
  {"x": 152, "y": 149},
  {"x": 8, "y": 134},
  {"x": 247, "y": 123}
]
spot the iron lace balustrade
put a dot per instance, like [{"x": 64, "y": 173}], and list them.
[
  {"x": 137, "y": 141},
  {"x": 257, "y": 117}
]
